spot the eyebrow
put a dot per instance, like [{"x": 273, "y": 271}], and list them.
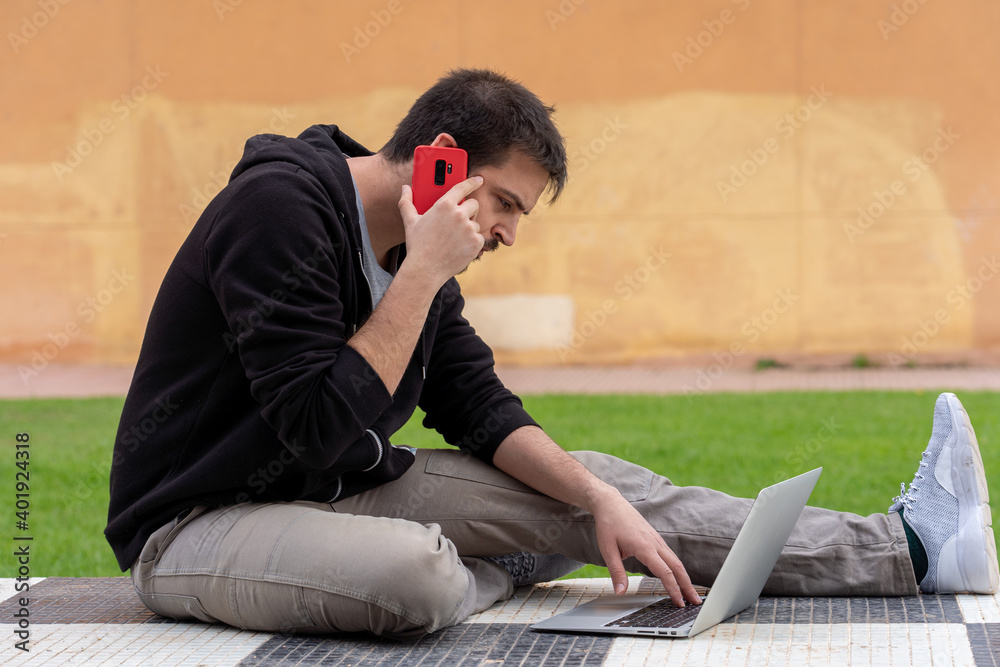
[{"x": 513, "y": 197}]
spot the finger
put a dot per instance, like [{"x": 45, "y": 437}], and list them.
[
  {"x": 665, "y": 574},
  {"x": 669, "y": 569},
  {"x": 613, "y": 561},
  {"x": 462, "y": 190},
  {"x": 406, "y": 207},
  {"x": 469, "y": 208},
  {"x": 681, "y": 577}
]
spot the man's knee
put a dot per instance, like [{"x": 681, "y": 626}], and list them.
[
  {"x": 432, "y": 579},
  {"x": 413, "y": 587}
]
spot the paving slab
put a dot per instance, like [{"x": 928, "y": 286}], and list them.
[
  {"x": 712, "y": 379},
  {"x": 85, "y": 621},
  {"x": 68, "y": 380}
]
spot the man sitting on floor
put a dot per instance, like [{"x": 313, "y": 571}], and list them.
[{"x": 307, "y": 315}]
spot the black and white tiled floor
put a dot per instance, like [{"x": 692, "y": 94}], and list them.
[{"x": 101, "y": 622}]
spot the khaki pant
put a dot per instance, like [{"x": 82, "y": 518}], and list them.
[{"x": 405, "y": 558}]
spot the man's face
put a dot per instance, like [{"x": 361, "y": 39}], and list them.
[{"x": 507, "y": 192}]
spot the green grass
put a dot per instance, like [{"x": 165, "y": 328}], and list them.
[
  {"x": 70, "y": 457},
  {"x": 867, "y": 442}
]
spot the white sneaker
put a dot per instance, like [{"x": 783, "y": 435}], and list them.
[{"x": 947, "y": 507}]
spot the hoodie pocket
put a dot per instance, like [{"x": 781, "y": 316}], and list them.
[{"x": 459, "y": 465}]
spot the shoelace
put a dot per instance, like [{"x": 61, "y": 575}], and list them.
[
  {"x": 905, "y": 498},
  {"x": 518, "y": 565},
  {"x": 521, "y": 565}
]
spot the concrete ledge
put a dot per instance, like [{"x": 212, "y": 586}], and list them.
[{"x": 100, "y": 621}]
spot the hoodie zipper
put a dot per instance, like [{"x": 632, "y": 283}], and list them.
[
  {"x": 423, "y": 354},
  {"x": 378, "y": 459},
  {"x": 378, "y": 445},
  {"x": 361, "y": 265},
  {"x": 359, "y": 269},
  {"x": 340, "y": 487}
]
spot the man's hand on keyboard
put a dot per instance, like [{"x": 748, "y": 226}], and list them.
[{"x": 622, "y": 532}]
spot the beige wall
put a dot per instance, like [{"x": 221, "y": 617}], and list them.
[{"x": 660, "y": 247}]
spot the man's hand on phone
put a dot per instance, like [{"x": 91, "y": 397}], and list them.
[{"x": 446, "y": 239}]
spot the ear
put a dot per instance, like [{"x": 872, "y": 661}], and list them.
[{"x": 444, "y": 139}]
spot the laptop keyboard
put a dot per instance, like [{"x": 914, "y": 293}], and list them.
[{"x": 662, "y": 614}]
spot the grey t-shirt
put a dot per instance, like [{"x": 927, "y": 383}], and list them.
[{"x": 378, "y": 278}]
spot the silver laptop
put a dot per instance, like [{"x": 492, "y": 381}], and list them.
[{"x": 741, "y": 579}]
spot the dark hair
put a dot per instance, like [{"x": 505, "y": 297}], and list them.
[{"x": 488, "y": 114}]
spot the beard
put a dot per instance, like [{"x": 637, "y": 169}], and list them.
[{"x": 490, "y": 245}]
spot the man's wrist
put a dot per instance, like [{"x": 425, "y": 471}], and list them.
[
  {"x": 419, "y": 278},
  {"x": 598, "y": 494},
  {"x": 594, "y": 494}
]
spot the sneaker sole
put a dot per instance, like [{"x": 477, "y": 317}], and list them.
[{"x": 975, "y": 551}]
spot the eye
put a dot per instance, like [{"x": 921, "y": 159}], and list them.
[{"x": 505, "y": 204}]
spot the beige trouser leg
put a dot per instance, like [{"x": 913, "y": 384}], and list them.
[
  {"x": 300, "y": 567},
  {"x": 402, "y": 559}
]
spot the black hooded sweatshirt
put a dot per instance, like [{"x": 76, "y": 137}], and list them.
[{"x": 245, "y": 389}]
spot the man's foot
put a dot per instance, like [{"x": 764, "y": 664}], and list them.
[
  {"x": 947, "y": 507},
  {"x": 527, "y": 569}
]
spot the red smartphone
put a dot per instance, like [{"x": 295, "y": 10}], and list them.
[{"x": 436, "y": 169}]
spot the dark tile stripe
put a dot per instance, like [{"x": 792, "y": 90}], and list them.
[
  {"x": 915, "y": 609},
  {"x": 984, "y": 638},
  {"x": 470, "y": 644},
  {"x": 112, "y": 600},
  {"x": 919, "y": 609},
  {"x": 84, "y": 600}
]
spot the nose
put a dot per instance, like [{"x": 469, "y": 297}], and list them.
[{"x": 505, "y": 232}]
